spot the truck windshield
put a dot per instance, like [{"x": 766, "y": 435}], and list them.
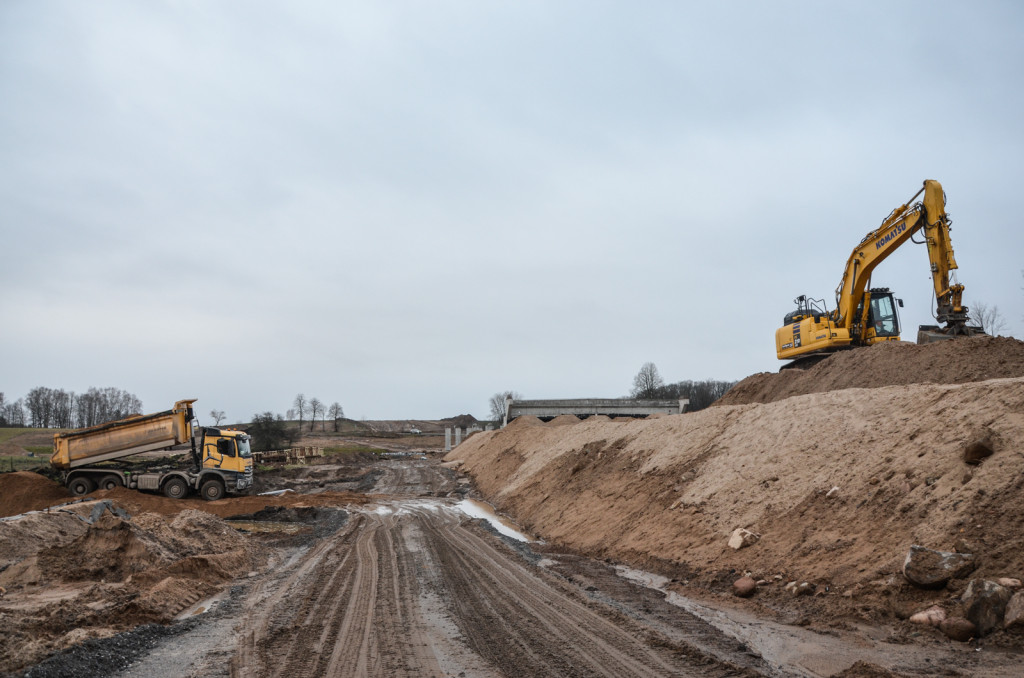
[
  {"x": 243, "y": 448},
  {"x": 883, "y": 316}
]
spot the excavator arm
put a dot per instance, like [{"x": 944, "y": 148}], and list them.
[
  {"x": 898, "y": 227},
  {"x": 813, "y": 333}
]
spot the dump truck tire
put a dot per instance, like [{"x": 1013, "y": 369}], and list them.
[
  {"x": 110, "y": 482},
  {"x": 212, "y": 490},
  {"x": 81, "y": 486},
  {"x": 176, "y": 488}
]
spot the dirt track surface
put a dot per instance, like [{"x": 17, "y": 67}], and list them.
[{"x": 413, "y": 589}]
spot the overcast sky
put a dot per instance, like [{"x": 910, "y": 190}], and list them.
[{"x": 406, "y": 206}]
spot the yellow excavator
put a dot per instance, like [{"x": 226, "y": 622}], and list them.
[{"x": 864, "y": 315}]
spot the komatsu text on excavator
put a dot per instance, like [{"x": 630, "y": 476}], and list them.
[{"x": 865, "y": 315}]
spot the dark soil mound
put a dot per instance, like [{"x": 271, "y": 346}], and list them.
[
  {"x": 27, "y": 491},
  {"x": 956, "y": 361}
]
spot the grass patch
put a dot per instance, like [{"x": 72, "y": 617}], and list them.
[
  {"x": 7, "y": 434},
  {"x": 39, "y": 450},
  {"x": 352, "y": 449},
  {"x": 19, "y": 463}
]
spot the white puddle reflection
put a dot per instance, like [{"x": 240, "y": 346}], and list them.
[{"x": 484, "y": 511}]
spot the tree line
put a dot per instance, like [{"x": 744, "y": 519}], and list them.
[
  {"x": 44, "y": 407},
  {"x": 648, "y": 385},
  {"x": 270, "y": 431},
  {"x": 313, "y": 407}
]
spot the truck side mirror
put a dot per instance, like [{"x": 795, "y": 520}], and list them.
[{"x": 900, "y": 302}]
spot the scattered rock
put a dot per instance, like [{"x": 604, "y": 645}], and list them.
[
  {"x": 933, "y": 616},
  {"x": 1009, "y": 582},
  {"x": 977, "y": 450},
  {"x": 801, "y": 589},
  {"x": 744, "y": 587},
  {"x": 958, "y": 628},
  {"x": 985, "y": 603},
  {"x": 931, "y": 569},
  {"x": 831, "y": 493},
  {"x": 964, "y": 546},
  {"x": 1015, "y": 611},
  {"x": 742, "y": 537}
]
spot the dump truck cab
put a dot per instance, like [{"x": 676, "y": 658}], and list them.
[{"x": 223, "y": 455}]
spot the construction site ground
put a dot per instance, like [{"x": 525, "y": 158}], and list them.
[{"x": 617, "y": 562}]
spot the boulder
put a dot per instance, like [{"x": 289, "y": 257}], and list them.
[
  {"x": 742, "y": 537},
  {"x": 1009, "y": 582},
  {"x": 1014, "y": 611},
  {"x": 976, "y": 451},
  {"x": 933, "y": 616},
  {"x": 985, "y": 604},
  {"x": 744, "y": 587},
  {"x": 958, "y": 629},
  {"x": 931, "y": 569}
]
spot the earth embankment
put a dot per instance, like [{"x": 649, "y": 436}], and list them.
[
  {"x": 839, "y": 484},
  {"x": 896, "y": 363}
]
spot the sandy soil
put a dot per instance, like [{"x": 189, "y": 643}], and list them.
[{"x": 838, "y": 483}]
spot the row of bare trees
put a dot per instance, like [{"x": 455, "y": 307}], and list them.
[
  {"x": 44, "y": 407},
  {"x": 315, "y": 408},
  {"x": 648, "y": 385}
]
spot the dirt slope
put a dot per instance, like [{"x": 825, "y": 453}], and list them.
[
  {"x": 666, "y": 493},
  {"x": 891, "y": 364}
]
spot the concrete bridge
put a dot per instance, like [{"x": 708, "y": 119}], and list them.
[{"x": 586, "y": 407}]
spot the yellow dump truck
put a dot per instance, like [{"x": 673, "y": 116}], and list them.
[{"x": 221, "y": 458}]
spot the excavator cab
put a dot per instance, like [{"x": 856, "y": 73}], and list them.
[{"x": 883, "y": 318}]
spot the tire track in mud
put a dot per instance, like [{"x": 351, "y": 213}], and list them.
[{"x": 354, "y": 605}]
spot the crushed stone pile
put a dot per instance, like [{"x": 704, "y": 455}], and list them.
[
  {"x": 895, "y": 363},
  {"x": 838, "y": 485}
]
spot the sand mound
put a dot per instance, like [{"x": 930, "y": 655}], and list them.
[
  {"x": 667, "y": 493},
  {"x": 564, "y": 420},
  {"x": 957, "y": 361},
  {"x": 524, "y": 421},
  {"x": 26, "y": 491}
]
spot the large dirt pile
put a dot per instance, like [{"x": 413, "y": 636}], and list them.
[
  {"x": 71, "y": 580},
  {"x": 838, "y": 484},
  {"x": 895, "y": 363},
  {"x": 26, "y": 491}
]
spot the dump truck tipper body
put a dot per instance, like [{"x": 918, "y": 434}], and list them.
[{"x": 221, "y": 458}]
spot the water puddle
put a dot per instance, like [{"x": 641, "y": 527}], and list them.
[
  {"x": 484, "y": 511},
  {"x": 265, "y": 526}
]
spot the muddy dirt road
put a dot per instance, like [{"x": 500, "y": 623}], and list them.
[
  {"x": 414, "y": 583},
  {"x": 412, "y": 589}
]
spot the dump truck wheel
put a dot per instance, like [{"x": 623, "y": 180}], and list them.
[
  {"x": 81, "y": 486},
  {"x": 175, "y": 488},
  {"x": 212, "y": 490},
  {"x": 110, "y": 482}
]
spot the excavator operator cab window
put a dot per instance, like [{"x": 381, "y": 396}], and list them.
[{"x": 883, "y": 316}]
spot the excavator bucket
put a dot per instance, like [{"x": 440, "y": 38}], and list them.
[{"x": 928, "y": 334}]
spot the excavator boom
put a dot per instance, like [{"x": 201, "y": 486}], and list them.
[{"x": 865, "y": 316}]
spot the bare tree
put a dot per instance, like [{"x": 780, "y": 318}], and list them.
[
  {"x": 989, "y": 317},
  {"x": 315, "y": 407},
  {"x": 217, "y": 416},
  {"x": 335, "y": 413},
  {"x": 300, "y": 407},
  {"x": 647, "y": 382},
  {"x": 498, "y": 403}
]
